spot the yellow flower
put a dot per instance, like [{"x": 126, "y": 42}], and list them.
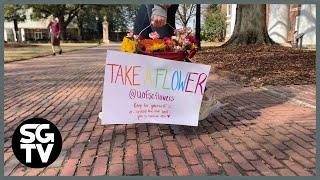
[
  {"x": 156, "y": 46},
  {"x": 128, "y": 45},
  {"x": 193, "y": 46}
]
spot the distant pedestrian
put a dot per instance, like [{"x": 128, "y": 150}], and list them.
[{"x": 54, "y": 28}]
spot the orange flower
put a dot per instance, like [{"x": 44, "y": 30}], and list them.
[
  {"x": 145, "y": 42},
  {"x": 159, "y": 45},
  {"x": 169, "y": 43},
  {"x": 152, "y": 44}
]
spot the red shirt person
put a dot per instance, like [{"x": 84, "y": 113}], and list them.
[{"x": 54, "y": 27}]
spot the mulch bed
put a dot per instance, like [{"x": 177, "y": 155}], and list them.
[{"x": 263, "y": 65}]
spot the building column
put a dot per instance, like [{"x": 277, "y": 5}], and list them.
[
  {"x": 22, "y": 34},
  {"x": 278, "y": 25},
  {"x": 5, "y": 37},
  {"x": 15, "y": 36},
  {"x": 233, "y": 17},
  {"x": 307, "y": 25},
  {"x": 231, "y": 11},
  {"x": 105, "y": 26}
]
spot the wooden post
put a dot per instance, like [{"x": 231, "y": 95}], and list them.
[{"x": 198, "y": 29}]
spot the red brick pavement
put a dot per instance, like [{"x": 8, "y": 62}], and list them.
[{"x": 258, "y": 133}]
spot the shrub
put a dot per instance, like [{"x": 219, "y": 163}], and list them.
[{"x": 214, "y": 26}]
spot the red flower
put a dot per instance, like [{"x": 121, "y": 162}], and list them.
[{"x": 191, "y": 38}]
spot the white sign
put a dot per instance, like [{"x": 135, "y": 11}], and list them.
[{"x": 145, "y": 89}]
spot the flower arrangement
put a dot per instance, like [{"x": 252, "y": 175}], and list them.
[{"x": 183, "y": 43}]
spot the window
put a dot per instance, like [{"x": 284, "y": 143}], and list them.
[
  {"x": 38, "y": 35},
  {"x": 229, "y": 9},
  {"x": 10, "y": 35}
]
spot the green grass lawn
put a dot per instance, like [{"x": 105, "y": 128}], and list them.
[{"x": 35, "y": 50}]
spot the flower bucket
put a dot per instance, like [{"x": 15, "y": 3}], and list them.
[
  {"x": 177, "y": 56},
  {"x": 172, "y": 48}
]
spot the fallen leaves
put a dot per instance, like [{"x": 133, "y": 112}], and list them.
[{"x": 263, "y": 65}]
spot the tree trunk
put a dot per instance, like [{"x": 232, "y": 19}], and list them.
[
  {"x": 62, "y": 26},
  {"x": 250, "y": 26},
  {"x": 198, "y": 28},
  {"x": 16, "y": 30},
  {"x": 80, "y": 30}
]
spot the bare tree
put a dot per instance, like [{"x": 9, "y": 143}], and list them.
[{"x": 185, "y": 13}]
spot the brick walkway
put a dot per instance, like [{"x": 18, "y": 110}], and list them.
[{"x": 258, "y": 133}]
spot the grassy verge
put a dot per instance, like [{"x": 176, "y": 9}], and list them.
[{"x": 16, "y": 53}]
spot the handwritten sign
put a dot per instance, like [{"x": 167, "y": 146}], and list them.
[{"x": 145, "y": 89}]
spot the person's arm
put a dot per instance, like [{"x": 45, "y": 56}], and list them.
[
  {"x": 48, "y": 27},
  {"x": 159, "y": 15}
]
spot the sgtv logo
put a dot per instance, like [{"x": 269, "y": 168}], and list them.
[{"x": 36, "y": 142}]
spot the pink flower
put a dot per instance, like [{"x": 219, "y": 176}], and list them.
[
  {"x": 186, "y": 41},
  {"x": 130, "y": 34},
  {"x": 154, "y": 35},
  {"x": 136, "y": 36},
  {"x": 173, "y": 37},
  {"x": 182, "y": 38},
  {"x": 179, "y": 31}
]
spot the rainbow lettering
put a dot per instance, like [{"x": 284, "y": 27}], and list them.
[{"x": 167, "y": 79}]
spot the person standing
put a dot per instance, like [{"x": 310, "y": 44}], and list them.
[
  {"x": 155, "y": 17},
  {"x": 54, "y": 28},
  {"x": 161, "y": 18}
]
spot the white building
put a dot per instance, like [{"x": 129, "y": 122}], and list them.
[
  {"x": 284, "y": 22},
  {"x": 33, "y": 30}
]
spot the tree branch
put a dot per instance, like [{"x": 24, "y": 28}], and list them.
[{"x": 72, "y": 14}]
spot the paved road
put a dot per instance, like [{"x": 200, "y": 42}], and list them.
[{"x": 259, "y": 133}]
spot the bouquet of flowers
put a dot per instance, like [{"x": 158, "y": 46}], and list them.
[{"x": 177, "y": 47}]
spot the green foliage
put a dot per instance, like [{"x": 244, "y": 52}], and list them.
[
  {"x": 87, "y": 16},
  {"x": 118, "y": 16},
  {"x": 41, "y": 11},
  {"x": 214, "y": 26},
  {"x": 14, "y": 12},
  {"x": 214, "y": 7}
]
